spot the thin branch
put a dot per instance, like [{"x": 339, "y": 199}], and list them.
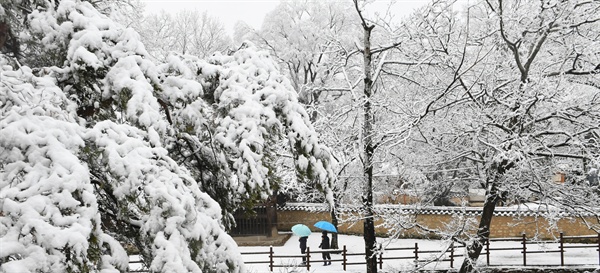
[
  {"x": 559, "y": 155},
  {"x": 385, "y": 48},
  {"x": 380, "y": 66}
]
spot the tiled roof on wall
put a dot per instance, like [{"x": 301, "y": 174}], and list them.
[{"x": 532, "y": 210}]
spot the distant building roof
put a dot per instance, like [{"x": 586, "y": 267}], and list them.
[{"x": 530, "y": 210}]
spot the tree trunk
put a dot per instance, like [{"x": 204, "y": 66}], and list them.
[
  {"x": 483, "y": 232},
  {"x": 334, "y": 221},
  {"x": 369, "y": 226}
]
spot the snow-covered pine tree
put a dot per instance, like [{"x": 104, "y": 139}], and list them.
[
  {"x": 89, "y": 127},
  {"x": 229, "y": 133}
]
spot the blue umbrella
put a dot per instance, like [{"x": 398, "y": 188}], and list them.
[
  {"x": 301, "y": 230},
  {"x": 324, "y": 225}
]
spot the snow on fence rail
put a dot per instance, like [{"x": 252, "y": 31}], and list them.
[{"x": 420, "y": 257}]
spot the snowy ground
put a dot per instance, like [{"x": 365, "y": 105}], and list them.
[{"x": 587, "y": 257}]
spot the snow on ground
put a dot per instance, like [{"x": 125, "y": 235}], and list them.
[{"x": 586, "y": 257}]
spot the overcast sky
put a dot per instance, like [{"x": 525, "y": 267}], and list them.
[{"x": 253, "y": 11}]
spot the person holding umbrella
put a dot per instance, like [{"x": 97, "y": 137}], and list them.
[
  {"x": 325, "y": 245},
  {"x": 303, "y": 232},
  {"x": 302, "y": 241},
  {"x": 325, "y": 226}
]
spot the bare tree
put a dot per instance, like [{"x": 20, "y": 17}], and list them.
[
  {"x": 527, "y": 108},
  {"x": 368, "y": 148},
  {"x": 186, "y": 32},
  {"x": 309, "y": 40},
  {"x": 514, "y": 99}
]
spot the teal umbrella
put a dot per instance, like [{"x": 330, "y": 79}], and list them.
[
  {"x": 324, "y": 225},
  {"x": 301, "y": 230}
]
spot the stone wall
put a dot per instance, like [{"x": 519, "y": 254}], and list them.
[{"x": 504, "y": 225}]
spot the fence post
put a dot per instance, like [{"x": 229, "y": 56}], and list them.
[
  {"x": 271, "y": 258},
  {"x": 344, "y": 257},
  {"x": 308, "y": 259},
  {"x": 416, "y": 254},
  {"x": 524, "y": 242},
  {"x": 487, "y": 251},
  {"x": 452, "y": 255},
  {"x": 562, "y": 250},
  {"x": 380, "y": 257}
]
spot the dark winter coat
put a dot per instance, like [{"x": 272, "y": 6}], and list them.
[
  {"x": 324, "y": 242},
  {"x": 303, "y": 243}
]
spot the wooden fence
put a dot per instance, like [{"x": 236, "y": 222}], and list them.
[
  {"x": 525, "y": 252},
  {"x": 421, "y": 256}
]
